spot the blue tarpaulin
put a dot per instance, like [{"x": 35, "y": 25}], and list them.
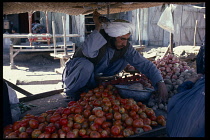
[{"x": 186, "y": 112}]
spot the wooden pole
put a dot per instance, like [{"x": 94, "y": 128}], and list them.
[
  {"x": 196, "y": 22},
  {"x": 29, "y": 23},
  {"x": 64, "y": 34},
  {"x": 171, "y": 43},
  {"x": 139, "y": 28},
  {"x": 54, "y": 39},
  {"x": 47, "y": 26},
  {"x": 108, "y": 9}
]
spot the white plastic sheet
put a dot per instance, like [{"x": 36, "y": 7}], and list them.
[{"x": 166, "y": 19}]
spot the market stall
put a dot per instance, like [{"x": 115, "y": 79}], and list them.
[{"x": 108, "y": 110}]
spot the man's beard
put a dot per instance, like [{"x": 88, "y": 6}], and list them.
[{"x": 112, "y": 43}]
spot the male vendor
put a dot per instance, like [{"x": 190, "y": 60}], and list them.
[{"x": 107, "y": 51}]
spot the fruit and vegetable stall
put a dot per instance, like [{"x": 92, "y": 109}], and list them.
[{"x": 109, "y": 110}]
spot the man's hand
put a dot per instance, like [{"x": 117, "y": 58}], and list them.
[
  {"x": 195, "y": 78},
  {"x": 96, "y": 20},
  {"x": 162, "y": 91}
]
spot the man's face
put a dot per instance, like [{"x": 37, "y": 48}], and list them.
[{"x": 121, "y": 41}]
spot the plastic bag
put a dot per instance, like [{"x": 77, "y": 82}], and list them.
[
  {"x": 186, "y": 112},
  {"x": 14, "y": 104},
  {"x": 166, "y": 19}
]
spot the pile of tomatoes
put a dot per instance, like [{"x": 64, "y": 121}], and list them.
[{"x": 99, "y": 113}]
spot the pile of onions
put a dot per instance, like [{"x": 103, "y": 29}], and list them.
[
  {"x": 174, "y": 73},
  {"x": 170, "y": 65}
]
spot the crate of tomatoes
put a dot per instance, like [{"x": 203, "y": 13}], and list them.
[{"x": 99, "y": 113}]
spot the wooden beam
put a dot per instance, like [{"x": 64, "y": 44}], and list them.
[
  {"x": 40, "y": 95},
  {"x": 15, "y": 87}
]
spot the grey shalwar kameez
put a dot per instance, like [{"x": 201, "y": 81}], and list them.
[{"x": 79, "y": 73}]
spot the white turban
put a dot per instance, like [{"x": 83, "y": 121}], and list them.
[{"x": 115, "y": 29}]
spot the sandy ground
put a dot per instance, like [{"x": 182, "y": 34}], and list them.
[{"x": 35, "y": 72}]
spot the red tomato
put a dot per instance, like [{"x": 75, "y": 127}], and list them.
[
  {"x": 92, "y": 118},
  {"x": 124, "y": 116},
  {"x": 36, "y": 133},
  {"x": 149, "y": 112},
  {"x": 66, "y": 111},
  {"x": 115, "y": 107},
  {"x": 78, "y": 110},
  {"x": 153, "y": 118},
  {"x": 65, "y": 128},
  {"x": 77, "y": 125},
  {"x": 147, "y": 128},
  {"x": 129, "y": 121},
  {"x": 117, "y": 116},
  {"x": 70, "y": 135},
  {"x": 109, "y": 104},
  {"x": 126, "y": 132},
  {"x": 16, "y": 125},
  {"x": 122, "y": 110},
  {"x": 138, "y": 123},
  {"x": 132, "y": 113},
  {"x": 99, "y": 113},
  {"x": 99, "y": 121},
  {"x": 41, "y": 119},
  {"x": 63, "y": 121},
  {"x": 82, "y": 132},
  {"x": 50, "y": 129},
  {"x": 104, "y": 134},
  {"x": 154, "y": 123},
  {"x": 33, "y": 123},
  {"x": 29, "y": 130},
  {"x": 97, "y": 102},
  {"x": 94, "y": 126},
  {"x": 42, "y": 126},
  {"x": 147, "y": 121},
  {"x": 79, "y": 118},
  {"x": 109, "y": 116},
  {"x": 135, "y": 107},
  {"x": 106, "y": 124},
  {"x": 44, "y": 135},
  {"x": 142, "y": 115},
  {"x": 71, "y": 103},
  {"x": 23, "y": 135},
  {"x": 55, "y": 118},
  {"x": 54, "y": 135},
  {"x": 115, "y": 130},
  {"x": 123, "y": 101},
  {"x": 95, "y": 134},
  {"x": 104, "y": 94}
]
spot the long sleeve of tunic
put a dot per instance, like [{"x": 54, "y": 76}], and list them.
[
  {"x": 95, "y": 41},
  {"x": 143, "y": 65}
]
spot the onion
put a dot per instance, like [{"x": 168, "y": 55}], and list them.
[
  {"x": 174, "y": 77},
  {"x": 180, "y": 66},
  {"x": 176, "y": 70},
  {"x": 176, "y": 65},
  {"x": 162, "y": 63},
  {"x": 184, "y": 63},
  {"x": 162, "y": 68},
  {"x": 170, "y": 65},
  {"x": 168, "y": 69},
  {"x": 186, "y": 68},
  {"x": 170, "y": 56}
]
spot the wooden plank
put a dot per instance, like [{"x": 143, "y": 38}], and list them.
[
  {"x": 155, "y": 32},
  {"x": 177, "y": 24},
  {"x": 188, "y": 25},
  {"x": 15, "y": 87},
  {"x": 40, "y": 95}
]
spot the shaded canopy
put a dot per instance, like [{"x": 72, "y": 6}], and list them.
[{"x": 76, "y": 8}]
